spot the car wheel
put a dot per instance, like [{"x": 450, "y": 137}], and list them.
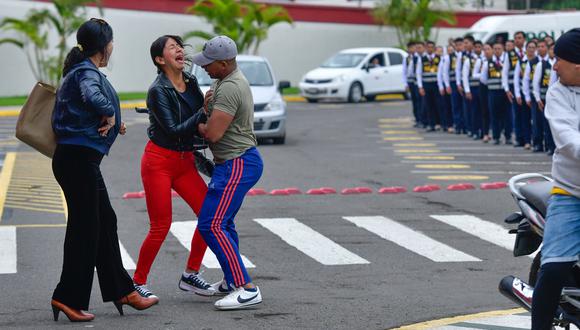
[
  {"x": 312, "y": 100},
  {"x": 371, "y": 98},
  {"x": 355, "y": 93},
  {"x": 279, "y": 140}
]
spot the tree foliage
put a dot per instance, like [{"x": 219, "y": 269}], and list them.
[
  {"x": 246, "y": 22},
  {"x": 412, "y": 19},
  {"x": 32, "y": 36}
]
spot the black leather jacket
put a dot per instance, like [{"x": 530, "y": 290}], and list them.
[{"x": 172, "y": 126}]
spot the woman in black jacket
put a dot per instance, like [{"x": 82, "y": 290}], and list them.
[
  {"x": 86, "y": 121},
  {"x": 175, "y": 102}
]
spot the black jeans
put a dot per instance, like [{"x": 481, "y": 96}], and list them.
[{"x": 91, "y": 232}]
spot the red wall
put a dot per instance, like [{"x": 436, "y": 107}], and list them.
[{"x": 299, "y": 12}]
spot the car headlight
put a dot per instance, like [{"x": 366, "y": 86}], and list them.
[
  {"x": 275, "y": 105},
  {"x": 340, "y": 78}
]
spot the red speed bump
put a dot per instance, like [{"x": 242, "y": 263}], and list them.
[
  {"x": 364, "y": 190},
  {"x": 315, "y": 191},
  {"x": 328, "y": 190},
  {"x": 490, "y": 185},
  {"x": 433, "y": 187},
  {"x": 279, "y": 192},
  {"x": 257, "y": 192},
  {"x": 349, "y": 191},
  {"x": 293, "y": 191},
  {"x": 142, "y": 193},
  {"x": 133, "y": 195},
  {"x": 460, "y": 187},
  {"x": 501, "y": 184},
  {"x": 392, "y": 190},
  {"x": 426, "y": 188}
]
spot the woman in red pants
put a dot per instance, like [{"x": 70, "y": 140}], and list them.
[{"x": 174, "y": 101}]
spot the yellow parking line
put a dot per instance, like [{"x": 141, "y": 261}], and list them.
[
  {"x": 458, "y": 177},
  {"x": 393, "y": 132},
  {"x": 9, "y": 113},
  {"x": 419, "y": 151},
  {"x": 442, "y": 166},
  {"x": 395, "y": 126},
  {"x": 457, "y": 319},
  {"x": 430, "y": 157},
  {"x": 403, "y": 138},
  {"x": 414, "y": 144},
  {"x": 390, "y": 97},
  {"x": 395, "y": 120},
  {"x": 5, "y": 176},
  {"x": 38, "y": 209}
]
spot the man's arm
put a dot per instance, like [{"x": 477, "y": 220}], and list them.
[
  {"x": 517, "y": 73},
  {"x": 505, "y": 73},
  {"x": 465, "y": 75},
  {"x": 216, "y": 126},
  {"x": 563, "y": 120},
  {"x": 419, "y": 72},
  {"x": 536, "y": 81},
  {"x": 526, "y": 83}
]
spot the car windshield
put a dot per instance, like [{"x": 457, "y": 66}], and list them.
[
  {"x": 257, "y": 72},
  {"x": 343, "y": 60}
]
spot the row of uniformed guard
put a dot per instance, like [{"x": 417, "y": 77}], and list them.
[{"x": 470, "y": 88}]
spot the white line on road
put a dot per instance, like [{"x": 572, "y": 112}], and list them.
[
  {"x": 128, "y": 262},
  {"x": 485, "y": 230},
  {"x": 410, "y": 239},
  {"x": 484, "y": 162},
  {"x": 7, "y": 250},
  {"x": 310, "y": 242},
  {"x": 472, "y": 172},
  {"x": 485, "y": 154},
  {"x": 183, "y": 231}
]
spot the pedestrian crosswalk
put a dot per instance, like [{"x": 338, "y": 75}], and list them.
[{"x": 315, "y": 245}]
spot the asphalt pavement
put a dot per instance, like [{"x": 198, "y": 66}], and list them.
[{"x": 333, "y": 261}]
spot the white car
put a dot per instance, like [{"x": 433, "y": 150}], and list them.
[
  {"x": 355, "y": 73},
  {"x": 269, "y": 107}
]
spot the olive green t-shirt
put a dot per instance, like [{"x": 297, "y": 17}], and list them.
[{"x": 233, "y": 95}]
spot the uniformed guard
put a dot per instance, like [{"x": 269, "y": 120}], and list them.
[
  {"x": 411, "y": 82},
  {"x": 426, "y": 73},
  {"x": 470, "y": 79},
  {"x": 445, "y": 90},
  {"x": 537, "y": 116},
  {"x": 522, "y": 93},
  {"x": 498, "y": 103},
  {"x": 487, "y": 56},
  {"x": 451, "y": 74},
  {"x": 540, "y": 84},
  {"x": 514, "y": 55},
  {"x": 468, "y": 43}
]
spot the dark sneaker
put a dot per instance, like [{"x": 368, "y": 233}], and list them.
[
  {"x": 143, "y": 291},
  {"x": 221, "y": 288},
  {"x": 196, "y": 284}
]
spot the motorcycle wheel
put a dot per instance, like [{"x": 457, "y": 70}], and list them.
[{"x": 535, "y": 269}]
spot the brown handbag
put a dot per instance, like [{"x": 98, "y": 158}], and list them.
[{"x": 34, "y": 125}]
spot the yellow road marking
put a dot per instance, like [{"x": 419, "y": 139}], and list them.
[
  {"x": 458, "y": 177},
  {"x": 40, "y": 201},
  {"x": 414, "y": 144},
  {"x": 390, "y": 97},
  {"x": 457, "y": 319},
  {"x": 399, "y": 132},
  {"x": 419, "y": 151},
  {"x": 58, "y": 225},
  {"x": 403, "y": 138},
  {"x": 430, "y": 157},
  {"x": 293, "y": 98},
  {"x": 5, "y": 176},
  {"x": 395, "y": 126},
  {"x": 442, "y": 166},
  {"x": 395, "y": 120},
  {"x": 9, "y": 113},
  {"x": 38, "y": 209}
]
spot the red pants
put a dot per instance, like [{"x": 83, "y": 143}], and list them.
[{"x": 162, "y": 170}]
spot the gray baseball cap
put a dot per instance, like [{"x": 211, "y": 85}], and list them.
[{"x": 219, "y": 48}]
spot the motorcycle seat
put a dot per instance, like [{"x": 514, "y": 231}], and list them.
[{"x": 537, "y": 194}]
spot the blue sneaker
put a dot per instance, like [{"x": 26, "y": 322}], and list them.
[{"x": 196, "y": 284}]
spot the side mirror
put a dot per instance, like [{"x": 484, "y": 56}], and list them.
[
  {"x": 282, "y": 85},
  {"x": 366, "y": 67}
]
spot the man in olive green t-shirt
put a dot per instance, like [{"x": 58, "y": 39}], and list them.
[{"x": 229, "y": 129}]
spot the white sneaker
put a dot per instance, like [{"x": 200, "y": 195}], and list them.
[
  {"x": 144, "y": 291},
  {"x": 221, "y": 288},
  {"x": 239, "y": 298}
]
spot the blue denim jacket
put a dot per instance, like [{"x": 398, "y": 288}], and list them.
[{"x": 84, "y": 97}]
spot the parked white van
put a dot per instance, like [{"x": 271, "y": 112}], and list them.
[
  {"x": 489, "y": 28},
  {"x": 355, "y": 73}
]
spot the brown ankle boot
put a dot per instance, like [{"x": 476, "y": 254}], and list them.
[
  {"x": 74, "y": 315},
  {"x": 136, "y": 301}
]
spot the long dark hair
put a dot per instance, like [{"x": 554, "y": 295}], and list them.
[
  {"x": 158, "y": 45},
  {"x": 93, "y": 37}
]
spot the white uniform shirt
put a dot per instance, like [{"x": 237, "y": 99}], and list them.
[
  {"x": 466, "y": 71},
  {"x": 536, "y": 83}
]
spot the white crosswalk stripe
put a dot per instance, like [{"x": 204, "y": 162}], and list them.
[
  {"x": 410, "y": 239},
  {"x": 8, "y": 250},
  {"x": 310, "y": 242},
  {"x": 485, "y": 230},
  {"x": 128, "y": 262},
  {"x": 183, "y": 231}
]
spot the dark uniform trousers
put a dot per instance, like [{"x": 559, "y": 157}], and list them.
[
  {"x": 500, "y": 114},
  {"x": 431, "y": 104},
  {"x": 484, "y": 107}
]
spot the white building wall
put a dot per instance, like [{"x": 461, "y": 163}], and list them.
[{"x": 292, "y": 50}]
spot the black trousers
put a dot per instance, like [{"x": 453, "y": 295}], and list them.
[{"x": 91, "y": 232}]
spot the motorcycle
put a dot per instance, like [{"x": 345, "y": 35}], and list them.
[{"x": 531, "y": 192}]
